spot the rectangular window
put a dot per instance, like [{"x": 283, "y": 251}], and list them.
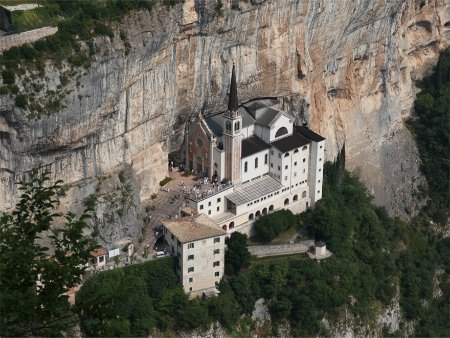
[
  {"x": 271, "y": 152},
  {"x": 285, "y": 167},
  {"x": 209, "y": 212},
  {"x": 191, "y": 246},
  {"x": 209, "y": 203},
  {"x": 216, "y": 251},
  {"x": 201, "y": 206},
  {"x": 190, "y": 257},
  {"x": 218, "y": 208},
  {"x": 320, "y": 159},
  {"x": 245, "y": 167},
  {"x": 191, "y": 279},
  {"x": 304, "y": 160},
  {"x": 191, "y": 269},
  {"x": 216, "y": 263},
  {"x": 295, "y": 163},
  {"x": 219, "y": 200},
  {"x": 304, "y": 170},
  {"x": 256, "y": 163},
  {"x": 285, "y": 178},
  {"x": 295, "y": 174},
  {"x": 271, "y": 165},
  {"x": 217, "y": 274},
  {"x": 265, "y": 158},
  {"x": 279, "y": 155},
  {"x": 321, "y": 147},
  {"x": 279, "y": 167},
  {"x": 217, "y": 240}
]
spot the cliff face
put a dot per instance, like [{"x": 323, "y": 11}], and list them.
[{"x": 345, "y": 66}]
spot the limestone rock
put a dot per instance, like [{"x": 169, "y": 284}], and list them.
[{"x": 348, "y": 67}]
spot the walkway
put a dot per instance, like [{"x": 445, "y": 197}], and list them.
[{"x": 280, "y": 249}]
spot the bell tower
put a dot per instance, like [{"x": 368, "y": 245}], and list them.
[{"x": 232, "y": 134}]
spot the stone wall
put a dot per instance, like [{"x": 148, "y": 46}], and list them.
[{"x": 13, "y": 40}]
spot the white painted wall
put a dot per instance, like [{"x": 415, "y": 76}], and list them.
[
  {"x": 252, "y": 172},
  {"x": 315, "y": 179},
  {"x": 281, "y": 121}
]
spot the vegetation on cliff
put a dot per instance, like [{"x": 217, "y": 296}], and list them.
[
  {"x": 373, "y": 254},
  {"x": 431, "y": 128},
  {"x": 34, "y": 278},
  {"x": 78, "y": 21}
]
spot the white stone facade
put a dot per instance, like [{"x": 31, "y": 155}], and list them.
[{"x": 261, "y": 149}]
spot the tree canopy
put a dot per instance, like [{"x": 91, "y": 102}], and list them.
[
  {"x": 33, "y": 277},
  {"x": 237, "y": 255}
]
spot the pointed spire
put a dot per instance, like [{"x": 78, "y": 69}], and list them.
[{"x": 233, "y": 98}]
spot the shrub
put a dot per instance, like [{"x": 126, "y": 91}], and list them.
[
  {"x": 187, "y": 173},
  {"x": 165, "y": 181},
  {"x": 225, "y": 180},
  {"x": 8, "y": 76},
  {"x": 21, "y": 101},
  {"x": 270, "y": 226}
]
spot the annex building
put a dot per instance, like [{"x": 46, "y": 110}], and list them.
[{"x": 269, "y": 162}]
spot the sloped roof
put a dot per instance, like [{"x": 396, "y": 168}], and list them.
[
  {"x": 254, "y": 189},
  {"x": 291, "y": 142},
  {"x": 252, "y": 145},
  {"x": 193, "y": 228},
  {"x": 308, "y": 133},
  {"x": 98, "y": 252},
  {"x": 215, "y": 122},
  {"x": 268, "y": 117}
]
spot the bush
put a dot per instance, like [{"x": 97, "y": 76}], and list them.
[
  {"x": 165, "y": 181},
  {"x": 8, "y": 76},
  {"x": 270, "y": 226},
  {"x": 21, "y": 101}
]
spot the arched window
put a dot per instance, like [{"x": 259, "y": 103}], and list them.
[
  {"x": 304, "y": 194},
  {"x": 280, "y": 132},
  {"x": 271, "y": 208},
  {"x": 295, "y": 198},
  {"x": 256, "y": 163},
  {"x": 251, "y": 217},
  {"x": 286, "y": 155},
  {"x": 231, "y": 225},
  {"x": 304, "y": 148},
  {"x": 236, "y": 126},
  {"x": 264, "y": 212},
  {"x": 266, "y": 158},
  {"x": 224, "y": 227},
  {"x": 258, "y": 214},
  {"x": 228, "y": 125},
  {"x": 245, "y": 167},
  {"x": 199, "y": 143},
  {"x": 286, "y": 201},
  {"x": 295, "y": 151}
]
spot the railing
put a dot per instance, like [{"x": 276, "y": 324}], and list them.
[{"x": 200, "y": 192}]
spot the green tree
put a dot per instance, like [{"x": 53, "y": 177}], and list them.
[
  {"x": 33, "y": 277},
  {"x": 237, "y": 255},
  {"x": 270, "y": 226}
]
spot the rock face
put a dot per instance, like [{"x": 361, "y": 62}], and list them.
[{"x": 347, "y": 67}]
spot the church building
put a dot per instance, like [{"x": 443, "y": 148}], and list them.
[{"x": 257, "y": 162}]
